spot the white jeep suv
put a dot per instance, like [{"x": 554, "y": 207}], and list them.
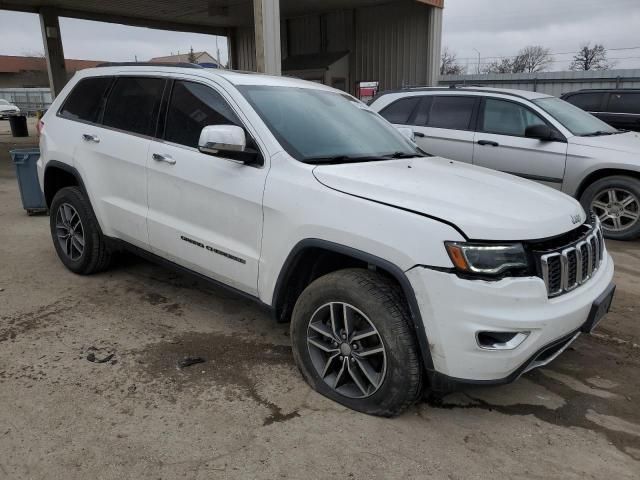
[
  {"x": 392, "y": 266},
  {"x": 534, "y": 136}
]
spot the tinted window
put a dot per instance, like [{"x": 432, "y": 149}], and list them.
[
  {"x": 194, "y": 106},
  {"x": 624, "y": 103},
  {"x": 401, "y": 110},
  {"x": 507, "y": 118},
  {"x": 133, "y": 104},
  {"x": 451, "y": 112},
  {"x": 86, "y": 99},
  {"x": 591, "y": 102}
]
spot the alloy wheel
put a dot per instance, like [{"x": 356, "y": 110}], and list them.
[
  {"x": 617, "y": 208},
  {"x": 70, "y": 231},
  {"x": 346, "y": 350}
]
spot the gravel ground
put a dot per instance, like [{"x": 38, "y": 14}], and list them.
[{"x": 246, "y": 412}]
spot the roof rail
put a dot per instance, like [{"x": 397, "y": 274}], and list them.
[{"x": 149, "y": 64}]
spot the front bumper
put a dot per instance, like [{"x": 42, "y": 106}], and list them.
[{"x": 455, "y": 309}]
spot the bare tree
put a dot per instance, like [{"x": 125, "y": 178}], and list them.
[
  {"x": 499, "y": 66},
  {"x": 192, "y": 56},
  {"x": 591, "y": 58},
  {"x": 533, "y": 58},
  {"x": 449, "y": 63}
]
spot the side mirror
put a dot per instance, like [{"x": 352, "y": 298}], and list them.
[
  {"x": 541, "y": 132},
  {"x": 407, "y": 132},
  {"x": 216, "y": 139}
]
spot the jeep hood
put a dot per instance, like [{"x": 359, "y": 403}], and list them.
[{"x": 482, "y": 203}]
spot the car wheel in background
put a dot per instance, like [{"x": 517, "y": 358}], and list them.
[
  {"x": 353, "y": 343},
  {"x": 616, "y": 201}
]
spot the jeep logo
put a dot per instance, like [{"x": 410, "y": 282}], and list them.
[{"x": 575, "y": 219}]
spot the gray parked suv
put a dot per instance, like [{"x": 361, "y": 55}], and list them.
[{"x": 532, "y": 135}]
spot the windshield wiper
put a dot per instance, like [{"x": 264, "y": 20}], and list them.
[
  {"x": 343, "y": 159},
  {"x": 600, "y": 133},
  {"x": 402, "y": 155}
]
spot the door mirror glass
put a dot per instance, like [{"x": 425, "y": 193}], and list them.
[
  {"x": 407, "y": 132},
  {"x": 541, "y": 132},
  {"x": 222, "y": 138}
]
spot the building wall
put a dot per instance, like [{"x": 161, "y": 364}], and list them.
[
  {"x": 243, "y": 41},
  {"x": 392, "y": 44},
  {"x": 389, "y": 43},
  {"x": 551, "y": 83},
  {"x": 29, "y": 79}
]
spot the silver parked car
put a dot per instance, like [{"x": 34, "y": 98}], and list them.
[
  {"x": 7, "y": 109},
  {"x": 532, "y": 135}
]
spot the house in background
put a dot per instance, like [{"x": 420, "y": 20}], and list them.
[
  {"x": 30, "y": 72},
  {"x": 202, "y": 58}
]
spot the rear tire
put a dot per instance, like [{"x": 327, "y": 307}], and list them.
[
  {"x": 616, "y": 200},
  {"x": 76, "y": 234},
  {"x": 383, "y": 383}
]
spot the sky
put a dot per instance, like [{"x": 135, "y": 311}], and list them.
[
  {"x": 501, "y": 27},
  {"x": 493, "y": 27}
]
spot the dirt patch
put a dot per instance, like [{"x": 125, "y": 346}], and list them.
[
  {"x": 591, "y": 357},
  {"x": 13, "y": 325},
  {"x": 229, "y": 363}
]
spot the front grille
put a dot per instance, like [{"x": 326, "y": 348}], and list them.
[{"x": 565, "y": 268}]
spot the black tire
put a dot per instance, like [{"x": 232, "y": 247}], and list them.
[
  {"x": 382, "y": 301},
  {"x": 96, "y": 255},
  {"x": 623, "y": 183}
]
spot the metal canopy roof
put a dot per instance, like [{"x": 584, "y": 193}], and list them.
[{"x": 204, "y": 16}]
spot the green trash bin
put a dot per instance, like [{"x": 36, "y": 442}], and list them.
[{"x": 25, "y": 160}]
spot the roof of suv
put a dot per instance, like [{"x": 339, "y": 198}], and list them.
[
  {"x": 503, "y": 91},
  {"x": 232, "y": 76}
]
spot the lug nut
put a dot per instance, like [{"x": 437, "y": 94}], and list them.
[
  {"x": 344, "y": 336},
  {"x": 354, "y": 346}
]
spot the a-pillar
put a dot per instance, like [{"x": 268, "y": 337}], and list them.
[
  {"x": 266, "y": 15},
  {"x": 52, "y": 40}
]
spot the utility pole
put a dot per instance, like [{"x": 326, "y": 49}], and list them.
[{"x": 479, "y": 57}]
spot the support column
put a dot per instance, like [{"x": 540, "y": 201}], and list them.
[
  {"x": 52, "y": 41},
  {"x": 434, "y": 45},
  {"x": 266, "y": 15}
]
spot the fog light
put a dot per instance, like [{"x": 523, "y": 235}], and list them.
[{"x": 500, "y": 340}]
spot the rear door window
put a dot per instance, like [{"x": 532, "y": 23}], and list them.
[
  {"x": 194, "y": 106},
  {"x": 86, "y": 99},
  {"x": 622, "y": 102},
  {"x": 400, "y": 111},
  {"x": 451, "y": 111},
  {"x": 133, "y": 104},
  {"x": 591, "y": 102}
]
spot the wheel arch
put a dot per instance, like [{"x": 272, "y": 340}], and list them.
[
  {"x": 311, "y": 258},
  {"x": 58, "y": 175},
  {"x": 603, "y": 173}
]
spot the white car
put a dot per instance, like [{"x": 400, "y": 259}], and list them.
[
  {"x": 7, "y": 109},
  {"x": 393, "y": 267},
  {"x": 531, "y": 135}
]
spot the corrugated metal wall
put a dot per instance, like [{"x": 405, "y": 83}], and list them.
[
  {"x": 244, "y": 45},
  {"x": 552, "y": 83},
  {"x": 391, "y": 45},
  {"x": 396, "y": 44}
]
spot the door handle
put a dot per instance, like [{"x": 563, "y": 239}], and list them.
[
  {"x": 488, "y": 142},
  {"x": 419, "y": 134},
  {"x": 90, "y": 138},
  {"x": 163, "y": 158}
]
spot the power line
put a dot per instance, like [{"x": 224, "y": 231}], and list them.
[{"x": 550, "y": 54}]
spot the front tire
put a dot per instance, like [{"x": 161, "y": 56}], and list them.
[
  {"x": 352, "y": 342},
  {"x": 76, "y": 234}
]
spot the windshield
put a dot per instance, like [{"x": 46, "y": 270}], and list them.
[
  {"x": 313, "y": 125},
  {"x": 574, "y": 119}
]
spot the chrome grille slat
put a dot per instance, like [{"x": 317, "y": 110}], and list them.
[{"x": 583, "y": 257}]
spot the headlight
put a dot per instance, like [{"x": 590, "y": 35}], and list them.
[{"x": 487, "y": 259}]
